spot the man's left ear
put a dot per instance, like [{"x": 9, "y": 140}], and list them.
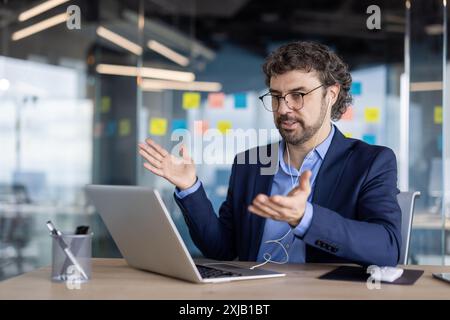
[{"x": 333, "y": 92}]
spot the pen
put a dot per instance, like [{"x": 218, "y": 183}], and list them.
[
  {"x": 65, "y": 248},
  {"x": 76, "y": 246}
]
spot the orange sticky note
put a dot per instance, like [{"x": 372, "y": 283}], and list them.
[
  {"x": 348, "y": 115},
  {"x": 200, "y": 126},
  {"x": 98, "y": 129},
  {"x": 216, "y": 99}
]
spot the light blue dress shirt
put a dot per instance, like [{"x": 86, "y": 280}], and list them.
[{"x": 283, "y": 182}]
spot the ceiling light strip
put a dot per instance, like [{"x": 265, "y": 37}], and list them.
[
  {"x": 40, "y": 26},
  {"x": 119, "y": 40},
  {"x": 45, "y": 6}
]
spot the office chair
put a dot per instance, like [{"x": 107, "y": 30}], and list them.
[
  {"x": 406, "y": 201},
  {"x": 15, "y": 229}
]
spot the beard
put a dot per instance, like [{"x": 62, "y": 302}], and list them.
[{"x": 300, "y": 136}]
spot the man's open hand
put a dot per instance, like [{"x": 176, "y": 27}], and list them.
[
  {"x": 289, "y": 208},
  {"x": 178, "y": 171}
]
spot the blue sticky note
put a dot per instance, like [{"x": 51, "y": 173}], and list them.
[
  {"x": 369, "y": 138},
  {"x": 179, "y": 124},
  {"x": 240, "y": 100},
  {"x": 111, "y": 128},
  {"x": 439, "y": 143},
  {"x": 356, "y": 89}
]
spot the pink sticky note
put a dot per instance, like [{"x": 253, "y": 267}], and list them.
[
  {"x": 98, "y": 129},
  {"x": 200, "y": 126},
  {"x": 348, "y": 115},
  {"x": 216, "y": 100}
]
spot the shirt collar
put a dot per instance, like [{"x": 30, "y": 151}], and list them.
[{"x": 320, "y": 150}]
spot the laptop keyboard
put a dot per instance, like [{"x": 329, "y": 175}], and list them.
[{"x": 207, "y": 272}]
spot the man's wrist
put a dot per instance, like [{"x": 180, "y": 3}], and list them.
[
  {"x": 305, "y": 221},
  {"x": 187, "y": 185},
  {"x": 296, "y": 222}
]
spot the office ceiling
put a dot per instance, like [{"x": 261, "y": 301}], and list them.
[
  {"x": 255, "y": 25},
  {"x": 258, "y": 25}
]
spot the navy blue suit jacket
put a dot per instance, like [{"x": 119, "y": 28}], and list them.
[{"x": 356, "y": 214}]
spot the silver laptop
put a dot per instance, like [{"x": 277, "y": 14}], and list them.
[{"x": 147, "y": 237}]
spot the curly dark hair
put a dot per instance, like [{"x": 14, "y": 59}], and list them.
[{"x": 307, "y": 56}]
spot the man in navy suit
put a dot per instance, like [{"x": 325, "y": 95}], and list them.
[{"x": 329, "y": 199}]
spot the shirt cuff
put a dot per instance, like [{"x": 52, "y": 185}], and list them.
[
  {"x": 305, "y": 223},
  {"x": 184, "y": 193}
]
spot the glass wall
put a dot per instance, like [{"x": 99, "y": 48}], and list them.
[
  {"x": 74, "y": 102},
  {"x": 428, "y": 67}
]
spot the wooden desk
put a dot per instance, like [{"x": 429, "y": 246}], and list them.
[{"x": 113, "y": 279}]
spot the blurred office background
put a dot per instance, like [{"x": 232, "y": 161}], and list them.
[{"x": 74, "y": 103}]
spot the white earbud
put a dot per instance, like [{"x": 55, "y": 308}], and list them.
[{"x": 328, "y": 103}]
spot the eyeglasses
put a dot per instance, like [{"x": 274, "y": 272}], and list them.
[{"x": 294, "y": 100}]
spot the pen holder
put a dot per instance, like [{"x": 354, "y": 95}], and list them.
[{"x": 63, "y": 267}]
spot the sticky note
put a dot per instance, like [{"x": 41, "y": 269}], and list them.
[
  {"x": 98, "y": 129},
  {"x": 158, "y": 126},
  {"x": 438, "y": 114},
  {"x": 111, "y": 128},
  {"x": 200, "y": 126},
  {"x": 179, "y": 124},
  {"x": 106, "y": 104},
  {"x": 240, "y": 100},
  {"x": 348, "y": 135},
  {"x": 372, "y": 115},
  {"x": 224, "y": 126},
  {"x": 348, "y": 115},
  {"x": 369, "y": 138},
  {"x": 356, "y": 88},
  {"x": 191, "y": 100},
  {"x": 124, "y": 127},
  {"x": 216, "y": 100}
]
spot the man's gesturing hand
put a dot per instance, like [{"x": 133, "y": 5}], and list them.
[
  {"x": 290, "y": 208},
  {"x": 178, "y": 171}
]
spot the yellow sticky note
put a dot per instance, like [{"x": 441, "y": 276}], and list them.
[
  {"x": 158, "y": 126},
  {"x": 191, "y": 100},
  {"x": 106, "y": 104},
  {"x": 124, "y": 127},
  {"x": 223, "y": 126},
  {"x": 372, "y": 115},
  {"x": 348, "y": 135},
  {"x": 438, "y": 114}
]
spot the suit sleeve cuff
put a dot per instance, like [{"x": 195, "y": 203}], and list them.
[
  {"x": 184, "y": 193},
  {"x": 305, "y": 223}
]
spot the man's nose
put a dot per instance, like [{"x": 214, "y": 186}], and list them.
[{"x": 283, "y": 107}]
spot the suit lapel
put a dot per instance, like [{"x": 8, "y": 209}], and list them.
[{"x": 330, "y": 171}]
